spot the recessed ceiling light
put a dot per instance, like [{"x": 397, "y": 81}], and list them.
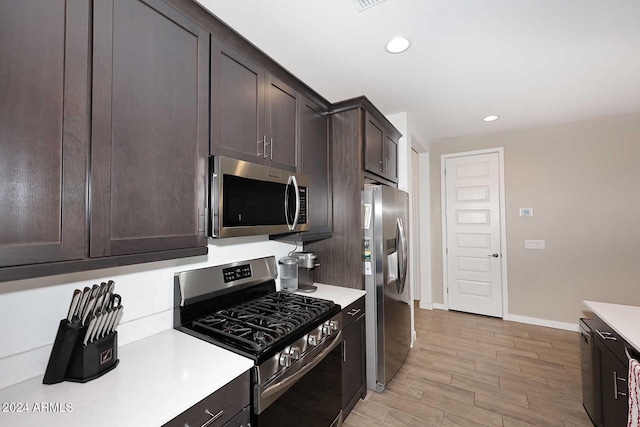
[
  {"x": 490, "y": 118},
  {"x": 398, "y": 45}
]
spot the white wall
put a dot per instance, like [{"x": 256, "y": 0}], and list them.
[{"x": 30, "y": 310}]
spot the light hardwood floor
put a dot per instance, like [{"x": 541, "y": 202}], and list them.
[{"x": 466, "y": 371}]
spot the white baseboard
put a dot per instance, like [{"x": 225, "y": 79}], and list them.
[
  {"x": 440, "y": 306},
  {"x": 542, "y": 322},
  {"x": 425, "y": 305}
]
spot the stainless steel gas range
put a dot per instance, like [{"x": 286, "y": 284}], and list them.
[{"x": 295, "y": 341}]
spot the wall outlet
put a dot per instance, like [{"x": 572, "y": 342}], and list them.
[{"x": 534, "y": 244}]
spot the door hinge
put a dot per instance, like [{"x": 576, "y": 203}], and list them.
[
  {"x": 446, "y": 250},
  {"x": 447, "y": 291}
]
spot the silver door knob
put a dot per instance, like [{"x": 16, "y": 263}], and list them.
[{"x": 494, "y": 255}]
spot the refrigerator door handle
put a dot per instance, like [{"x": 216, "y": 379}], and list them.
[{"x": 402, "y": 260}]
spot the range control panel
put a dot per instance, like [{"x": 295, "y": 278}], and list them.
[{"x": 238, "y": 272}]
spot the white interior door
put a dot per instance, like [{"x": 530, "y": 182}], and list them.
[{"x": 474, "y": 259}]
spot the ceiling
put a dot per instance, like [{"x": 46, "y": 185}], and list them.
[{"x": 532, "y": 62}]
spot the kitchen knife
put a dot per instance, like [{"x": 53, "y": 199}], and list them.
[
  {"x": 83, "y": 301},
  {"x": 105, "y": 322},
  {"x": 94, "y": 291},
  {"x": 98, "y": 307},
  {"x": 112, "y": 285},
  {"x": 90, "y": 328},
  {"x": 111, "y": 317},
  {"x": 103, "y": 288},
  {"x": 95, "y": 328},
  {"x": 77, "y": 294},
  {"x": 88, "y": 309},
  {"x": 118, "y": 318},
  {"x": 107, "y": 300}
]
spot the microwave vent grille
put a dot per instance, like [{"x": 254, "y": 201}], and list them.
[{"x": 363, "y": 5}]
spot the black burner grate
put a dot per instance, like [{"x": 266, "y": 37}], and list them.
[{"x": 258, "y": 324}]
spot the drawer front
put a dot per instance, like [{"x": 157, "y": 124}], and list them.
[
  {"x": 610, "y": 339},
  {"x": 223, "y": 405},
  {"x": 352, "y": 312},
  {"x": 241, "y": 420}
]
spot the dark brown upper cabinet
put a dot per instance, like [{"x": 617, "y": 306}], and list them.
[
  {"x": 316, "y": 164},
  {"x": 44, "y": 109},
  {"x": 282, "y": 105},
  {"x": 150, "y": 128},
  {"x": 381, "y": 149},
  {"x": 254, "y": 116}
]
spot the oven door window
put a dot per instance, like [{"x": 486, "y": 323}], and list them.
[
  {"x": 314, "y": 401},
  {"x": 248, "y": 202}
]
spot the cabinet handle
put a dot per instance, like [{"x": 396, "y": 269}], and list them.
[
  {"x": 354, "y": 311},
  {"x": 381, "y": 165},
  {"x": 213, "y": 417},
  {"x": 271, "y": 149},
  {"x": 344, "y": 351},
  {"x": 262, "y": 142},
  {"x": 606, "y": 335},
  {"x": 617, "y": 393}
]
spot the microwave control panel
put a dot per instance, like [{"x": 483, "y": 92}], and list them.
[
  {"x": 302, "y": 218},
  {"x": 238, "y": 272}
]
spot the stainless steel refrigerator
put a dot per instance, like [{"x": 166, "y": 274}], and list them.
[{"x": 385, "y": 251}]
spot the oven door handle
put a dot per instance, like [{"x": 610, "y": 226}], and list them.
[{"x": 281, "y": 385}]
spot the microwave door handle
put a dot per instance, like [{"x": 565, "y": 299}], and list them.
[
  {"x": 295, "y": 219},
  {"x": 286, "y": 203}
]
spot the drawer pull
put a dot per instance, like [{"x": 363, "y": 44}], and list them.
[
  {"x": 213, "y": 417},
  {"x": 606, "y": 335},
  {"x": 617, "y": 393},
  {"x": 354, "y": 311}
]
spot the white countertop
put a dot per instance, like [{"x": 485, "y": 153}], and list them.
[
  {"x": 158, "y": 378},
  {"x": 337, "y": 294},
  {"x": 624, "y": 319}
]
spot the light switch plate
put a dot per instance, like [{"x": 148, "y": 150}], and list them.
[
  {"x": 534, "y": 244},
  {"x": 526, "y": 212}
]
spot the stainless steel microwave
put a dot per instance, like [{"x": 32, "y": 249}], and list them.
[{"x": 247, "y": 199}]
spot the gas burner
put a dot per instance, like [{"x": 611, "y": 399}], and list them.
[{"x": 257, "y": 324}]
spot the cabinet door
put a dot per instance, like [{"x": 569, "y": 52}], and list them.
[
  {"x": 390, "y": 158},
  {"x": 353, "y": 374},
  {"x": 150, "y": 128},
  {"x": 237, "y": 105},
  {"x": 374, "y": 140},
  {"x": 613, "y": 386},
  {"x": 316, "y": 164},
  {"x": 282, "y": 112},
  {"x": 43, "y": 127}
]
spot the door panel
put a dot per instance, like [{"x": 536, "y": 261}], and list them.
[
  {"x": 43, "y": 127},
  {"x": 237, "y": 108},
  {"x": 374, "y": 138},
  {"x": 391, "y": 158},
  {"x": 282, "y": 125},
  {"x": 150, "y": 129},
  {"x": 397, "y": 310},
  {"x": 473, "y": 234}
]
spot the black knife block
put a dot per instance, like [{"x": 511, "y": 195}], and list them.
[{"x": 71, "y": 360}]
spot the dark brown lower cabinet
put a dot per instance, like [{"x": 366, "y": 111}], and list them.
[
  {"x": 354, "y": 386},
  {"x": 612, "y": 380}
]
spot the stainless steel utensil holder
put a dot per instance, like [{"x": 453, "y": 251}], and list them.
[{"x": 71, "y": 360}]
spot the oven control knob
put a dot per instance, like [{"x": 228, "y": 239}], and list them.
[
  {"x": 334, "y": 325},
  {"x": 294, "y": 352},
  {"x": 326, "y": 330},
  {"x": 312, "y": 340},
  {"x": 285, "y": 360}
]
